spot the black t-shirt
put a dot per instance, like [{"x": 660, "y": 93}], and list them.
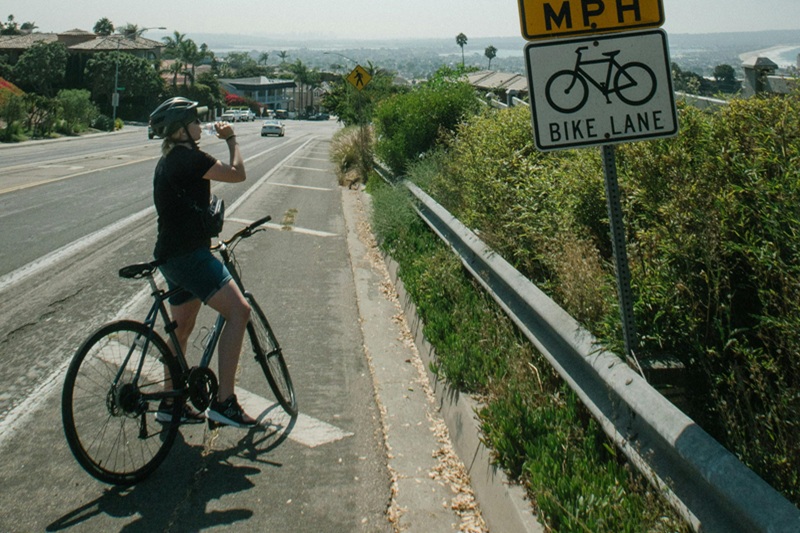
[{"x": 181, "y": 173}]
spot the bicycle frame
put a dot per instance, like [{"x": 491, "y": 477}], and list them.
[{"x": 604, "y": 88}]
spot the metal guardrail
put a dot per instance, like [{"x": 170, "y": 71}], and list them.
[{"x": 705, "y": 483}]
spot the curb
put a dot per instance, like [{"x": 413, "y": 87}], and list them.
[{"x": 504, "y": 505}]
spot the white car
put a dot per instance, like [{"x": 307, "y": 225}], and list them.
[{"x": 272, "y": 127}]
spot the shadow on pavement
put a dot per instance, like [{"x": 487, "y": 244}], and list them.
[{"x": 177, "y": 495}]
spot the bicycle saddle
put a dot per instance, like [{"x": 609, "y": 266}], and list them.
[{"x": 139, "y": 270}]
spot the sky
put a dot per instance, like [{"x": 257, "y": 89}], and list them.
[{"x": 371, "y": 19}]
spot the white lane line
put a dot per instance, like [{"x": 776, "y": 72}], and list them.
[
  {"x": 308, "y": 168},
  {"x": 282, "y": 227},
  {"x": 70, "y": 249},
  {"x": 293, "y": 186}
]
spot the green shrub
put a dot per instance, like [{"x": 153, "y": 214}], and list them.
[
  {"x": 409, "y": 125},
  {"x": 76, "y": 110},
  {"x": 103, "y": 123},
  {"x": 713, "y": 226}
]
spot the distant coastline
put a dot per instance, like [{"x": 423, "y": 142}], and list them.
[{"x": 783, "y": 55}]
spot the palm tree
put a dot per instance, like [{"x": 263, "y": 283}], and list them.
[
  {"x": 191, "y": 55},
  {"x": 461, "y": 40},
  {"x": 175, "y": 68},
  {"x": 173, "y": 45},
  {"x": 283, "y": 54},
  {"x": 491, "y": 53},
  {"x": 129, "y": 30},
  {"x": 103, "y": 27},
  {"x": 263, "y": 58}
]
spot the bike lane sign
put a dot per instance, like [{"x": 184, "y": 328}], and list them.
[{"x": 600, "y": 90}]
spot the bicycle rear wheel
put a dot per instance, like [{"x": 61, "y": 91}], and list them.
[
  {"x": 106, "y": 410},
  {"x": 268, "y": 353}
]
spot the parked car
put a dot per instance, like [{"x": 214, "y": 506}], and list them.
[
  {"x": 273, "y": 127},
  {"x": 228, "y": 116}
]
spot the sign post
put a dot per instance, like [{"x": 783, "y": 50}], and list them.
[{"x": 600, "y": 90}]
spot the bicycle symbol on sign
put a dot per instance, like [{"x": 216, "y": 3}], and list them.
[{"x": 567, "y": 90}]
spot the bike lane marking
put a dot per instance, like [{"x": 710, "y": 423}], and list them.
[{"x": 304, "y": 429}]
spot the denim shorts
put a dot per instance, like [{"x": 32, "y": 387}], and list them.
[{"x": 198, "y": 273}]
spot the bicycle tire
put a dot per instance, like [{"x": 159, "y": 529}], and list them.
[
  {"x": 269, "y": 355},
  {"x": 109, "y": 429},
  {"x": 562, "y": 101},
  {"x": 644, "y": 86}
]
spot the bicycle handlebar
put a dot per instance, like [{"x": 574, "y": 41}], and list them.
[{"x": 244, "y": 232}]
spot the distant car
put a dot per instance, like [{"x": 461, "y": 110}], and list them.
[
  {"x": 228, "y": 117},
  {"x": 319, "y": 116},
  {"x": 272, "y": 127}
]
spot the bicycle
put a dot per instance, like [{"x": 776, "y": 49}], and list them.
[
  {"x": 119, "y": 375},
  {"x": 634, "y": 83}
]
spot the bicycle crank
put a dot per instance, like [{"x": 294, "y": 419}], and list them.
[{"x": 202, "y": 385}]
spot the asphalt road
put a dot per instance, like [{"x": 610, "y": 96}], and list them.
[{"x": 72, "y": 214}]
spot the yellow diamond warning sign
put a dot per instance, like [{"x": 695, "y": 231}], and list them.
[
  {"x": 359, "y": 78},
  {"x": 541, "y": 19}
]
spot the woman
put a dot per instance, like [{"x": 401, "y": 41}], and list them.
[{"x": 182, "y": 183}]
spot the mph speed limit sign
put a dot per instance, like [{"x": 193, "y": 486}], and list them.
[{"x": 600, "y": 90}]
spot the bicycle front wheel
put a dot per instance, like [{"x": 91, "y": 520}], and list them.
[
  {"x": 111, "y": 392},
  {"x": 635, "y": 83},
  {"x": 269, "y": 355}
]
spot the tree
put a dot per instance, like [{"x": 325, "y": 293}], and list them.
[
  {"x": 304, "y": 77},
  {"x": 172, "y": 48},
  {"x": 491, "y": 53},
  {"x": 103, "y": 27},
  {"x": 411, "y": 124},
  {"x": 191, "y": 55},
  {"x": 263, "y": 58},
  {"x": 13, "y": 28},
  {"x": 129, "y": 30},
  {"x": 283, "y": 54},
  {"x": 143, "y": 84},
  {"x": 461, "y": 40},
  {"x": 42, "y": 68},
  {"x": 725, "y": 75},
  {"x": 77, "y": 109}
]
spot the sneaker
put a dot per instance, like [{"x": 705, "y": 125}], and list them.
[
  {"x": 189, "y": 415},
  {"x": 230, "y": 413}
]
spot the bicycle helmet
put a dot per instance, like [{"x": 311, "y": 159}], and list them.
[{"x": 173, "y": 114}]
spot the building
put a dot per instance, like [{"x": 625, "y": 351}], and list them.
[
  {"x": 81, "y": 45},
  {"x": 759, "y": 77},
  {"x": 504, "y": 85},
  {"x": 269, "y": 93}
]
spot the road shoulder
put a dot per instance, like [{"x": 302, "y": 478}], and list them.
[{"x": 430, "y": 485}]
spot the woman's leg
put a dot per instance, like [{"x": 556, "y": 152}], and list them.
[
  {"x": 184, "y": 316},
  {"x": 231, "y": 304}
]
